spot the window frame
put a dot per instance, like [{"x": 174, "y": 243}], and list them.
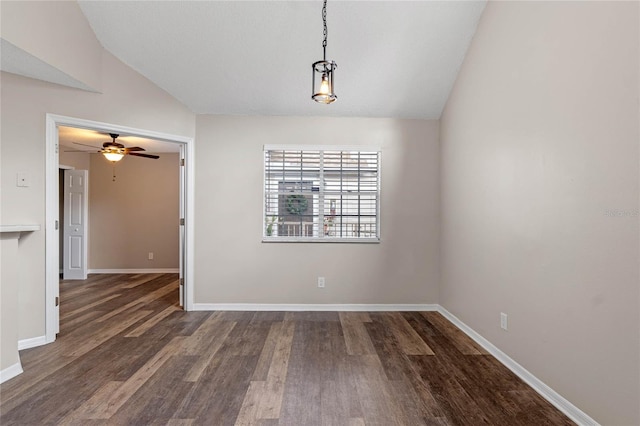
[{"x": 322, "y": 238}]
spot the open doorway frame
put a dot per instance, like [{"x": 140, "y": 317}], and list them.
[{"x": 52, "y": 232}]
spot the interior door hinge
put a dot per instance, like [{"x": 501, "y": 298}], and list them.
[
  {"x": 182, "y": 221},
  {"x": 181, "y": 281},
  {"x": 57, "y": 300},
  {"x": 182, "y": 161},
  {"x": 57, "y": 225}
]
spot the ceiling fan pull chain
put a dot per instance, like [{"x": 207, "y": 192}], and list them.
[{"x": 114, "y": 172}]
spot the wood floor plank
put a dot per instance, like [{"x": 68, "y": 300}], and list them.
[
  {"x": 86, "y": 307},
  {"x": 220, "y": 392},
  {"x": 248, "y": 415},
  {"x": 106, "y": 334},
  {"x": 142, "y": 328},
  {"x": 181, "y": 422},
  {"x": 201, "y": 338},
  {"x": 410, "y": 342},
  {"x": 271, "y": 400},
  {"x": 264, "y": 362},
  {"x": 356, "y": 338},
  {"x": 464, "y": 344},
  {"x": 141, "y": 279},
  {"x": 127, "y": 355},
  {"x": 104, "y": 403},
  {"x": 159, "y": 397},
  {"x": 304, "y": 378},
  {"x": 68, "y": 325},
  {"x": 141, "y": 301},
  {"x": 452, "y": 398},
  {"x": 388, "y": 350},
  {"x": 379, "y": 403},
  {"x": 207, "y": 356}
]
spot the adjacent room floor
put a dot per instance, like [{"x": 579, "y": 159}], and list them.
[{"x": 127, "y": 354}]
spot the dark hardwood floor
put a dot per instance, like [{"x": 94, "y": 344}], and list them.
[{"x": 127, "y": 354}]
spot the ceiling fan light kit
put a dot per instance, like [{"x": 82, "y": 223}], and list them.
[
  {"x": 322, "y": 83},
  {"x": 113, "y": 154},
  {"x": 114, "y": 151}
]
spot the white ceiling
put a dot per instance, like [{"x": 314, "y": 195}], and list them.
[
  {"x": 73, "y": 139},
  {"x": 395, "y": 58}
]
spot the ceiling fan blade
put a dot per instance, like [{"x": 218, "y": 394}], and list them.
[
  {"x": 92, "y": 146},
  {"x": 155, "y": 157},
  {"x": 135, "y": 148}
]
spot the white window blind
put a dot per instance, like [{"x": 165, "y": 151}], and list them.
[{"x": 321, "y": 194}]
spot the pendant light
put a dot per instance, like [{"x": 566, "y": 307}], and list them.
[{"x": 323, "y": 71}]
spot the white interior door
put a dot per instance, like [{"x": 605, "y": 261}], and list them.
[{"x": 75, "y": 229}]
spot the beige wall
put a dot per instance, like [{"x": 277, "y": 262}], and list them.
[
  {"x": 9, "y": 276},
  {"x": 127, "y": 99},
  {"x": 136, "y": 214},
  {"x": 539, "y": 157},
  {"x": 232, "y": 265}
]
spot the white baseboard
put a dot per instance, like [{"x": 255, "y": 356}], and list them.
[
  {"x": 135, "y": 271},
  {"x": 573, "y": 412},
  {"x": 309, "y": 307},
  {"x": 10, "y": 372},
  {"x": 32, "y": 342}
]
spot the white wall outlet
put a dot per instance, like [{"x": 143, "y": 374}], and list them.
[
  {"x": 22, "y": 179},
  {"x": 150, "y": 255},
  {"x": 503, "y": 321},
  {"x": 320, "y": 282}
]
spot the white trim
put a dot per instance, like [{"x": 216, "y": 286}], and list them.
[
  {"x": 364, "y": 240},
  {"x": 10, "y": 372},
  {"x": 189, "y": 238},
  {"x": 299, "y": 147},
  {"x": 32, "y": 342},
  {"x": 135, "y": 271},
  {"x": 19, "y": 228},
  {"x": 52, "y": 235},
  {"x": 573, "y": 412},
  {"x": 312, "y": 307},
  {"x": 51, "y": 206}
]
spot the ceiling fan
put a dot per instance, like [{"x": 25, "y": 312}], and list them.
[{"x": 114, "y": 151}]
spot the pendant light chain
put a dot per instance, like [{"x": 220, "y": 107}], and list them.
[
  {"x": 324, "y": 21},
  {"x": 322, "y": 88}
]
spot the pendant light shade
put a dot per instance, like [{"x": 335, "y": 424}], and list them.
[{"x": 322, "y": 89}]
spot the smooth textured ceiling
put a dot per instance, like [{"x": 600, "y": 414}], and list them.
[{"x": 395, "y": 58}]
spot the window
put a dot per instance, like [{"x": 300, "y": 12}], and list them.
[{"x": 322, "y": 194}]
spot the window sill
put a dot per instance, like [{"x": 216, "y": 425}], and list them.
[{"x": 321, "y": 240}]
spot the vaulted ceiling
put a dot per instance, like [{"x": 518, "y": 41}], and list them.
[{"x": 395, "y": 58}]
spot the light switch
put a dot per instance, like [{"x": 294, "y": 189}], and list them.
[{"x": 23, "y": 179}]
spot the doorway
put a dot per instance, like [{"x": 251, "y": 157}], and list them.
[{"x": 52, "y": 230}]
